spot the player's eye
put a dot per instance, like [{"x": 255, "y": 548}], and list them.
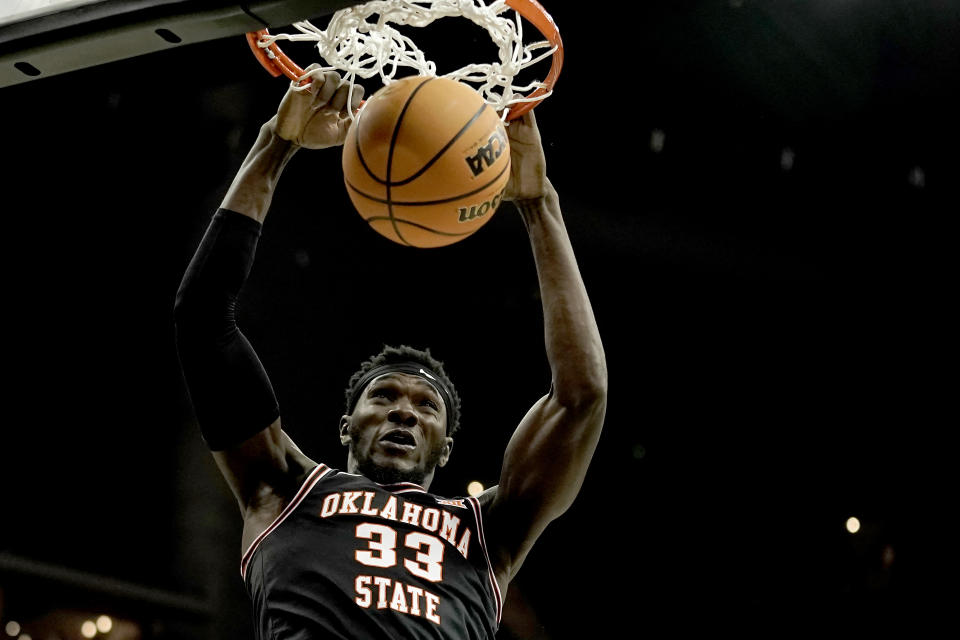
[{"x": 430, "y": 403}]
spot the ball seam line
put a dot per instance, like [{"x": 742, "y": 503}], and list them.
[
  {"x": 414, "y": 203},
  {"x": 440, "y": 153},
  {"x": 393, "y": 144},
  {"x": 373, "y": 219}
]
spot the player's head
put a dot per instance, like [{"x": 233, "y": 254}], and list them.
[{"x": 401, "y": 411}]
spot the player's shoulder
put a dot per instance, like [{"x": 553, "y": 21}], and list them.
[{"x": 487, "y": 497}]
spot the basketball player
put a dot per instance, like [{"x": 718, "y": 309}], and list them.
[{"x": 366, "y": 552}]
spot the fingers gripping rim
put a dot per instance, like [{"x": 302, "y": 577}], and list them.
[{"x": 277, "y": 63}]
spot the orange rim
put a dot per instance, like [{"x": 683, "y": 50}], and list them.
[
  {"x": 280, "y": 64},
  {"x": 538, "y": 16}
]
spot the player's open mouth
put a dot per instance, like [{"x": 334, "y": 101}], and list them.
[{"x": 400, "y": 439}]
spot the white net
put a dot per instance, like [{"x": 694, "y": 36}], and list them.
[{"x": 362, "y": 47}]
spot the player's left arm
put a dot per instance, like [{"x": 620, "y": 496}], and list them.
[{"x": 547, "y": 457}]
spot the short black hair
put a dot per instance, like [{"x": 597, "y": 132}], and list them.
[{"x": 406, "y": 353}]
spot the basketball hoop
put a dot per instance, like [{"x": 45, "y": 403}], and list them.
[{"x": 359, "y": 48}]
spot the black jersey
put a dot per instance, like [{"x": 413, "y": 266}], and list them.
[{"x": 349, "y": 558}]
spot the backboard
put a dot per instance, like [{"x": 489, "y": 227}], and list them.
[{"x": 42, "y": 38}]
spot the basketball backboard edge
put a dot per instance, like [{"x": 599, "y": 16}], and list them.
[{"x": 49, "y": 37}]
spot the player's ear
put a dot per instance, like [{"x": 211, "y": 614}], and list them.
[
  {"x": 445, "y": 454},
  {"x": 344, "y": 430}
]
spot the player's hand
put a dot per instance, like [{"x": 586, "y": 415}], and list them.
[
  {"x": 314, "y": 116},
  {"x": 528, "y": 166}
]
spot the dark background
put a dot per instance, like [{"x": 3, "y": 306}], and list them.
[{"x": 774, "y": 332}]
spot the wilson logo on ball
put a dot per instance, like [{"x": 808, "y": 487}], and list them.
[
  {"x": 488, "y": 153},
  {"x": 480, "y": 210}
]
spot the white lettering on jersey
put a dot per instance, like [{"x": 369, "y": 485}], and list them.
[
  {"x": 389, "y": 511},
  {"x": 330, "y": 505},
  {"x": 399, "y": 601},
  {"x": 439, "y": 521},
  {"x": 349, "y": 499},
  {"x": 398, "y": 596},
  {"x": 432, "y": 603},
  {"x": 464, "y": 545},
  {"x": 449, "y": 528},
  {"x": 411, "y": 513},
  {"x": 431, "y": 519},
  {"x": 364, "y": 596},
  {"x": 367, "y": 501}
]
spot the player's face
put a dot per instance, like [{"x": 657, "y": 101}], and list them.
[{"x": 398, "y": 431}]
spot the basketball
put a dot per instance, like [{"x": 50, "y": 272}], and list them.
[{"x": 426, "y": 161}]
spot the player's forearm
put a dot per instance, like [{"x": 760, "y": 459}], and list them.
[
  {"x": 252, "y": 189},
  {"x": 573, "y": 344},
  {"x": 547, "y": 457}
]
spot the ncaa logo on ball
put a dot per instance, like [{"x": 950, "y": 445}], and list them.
[{"x": 488, "y": 152}]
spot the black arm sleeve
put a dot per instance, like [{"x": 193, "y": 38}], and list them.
[{"x": 231, "y": 393}]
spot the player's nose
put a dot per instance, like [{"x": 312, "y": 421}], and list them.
[{"x": 403, "y": 415}]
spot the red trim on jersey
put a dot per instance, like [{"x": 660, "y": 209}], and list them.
[
  {"x": 402, "y": 487},
  {"x": 318, "y": 472},
  {"x": 475, "y": 504}
]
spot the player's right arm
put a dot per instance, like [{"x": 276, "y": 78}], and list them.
[{"x": 231, "y": 393}]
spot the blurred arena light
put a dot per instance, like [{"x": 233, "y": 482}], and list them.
[
  {"x": 853, "y": 524},
  {"x": 88, "y": 629},
  {"x": 71, "y": 624},
  {"x": 786, "y": 159},
  {"x": 474, "y": 488},
  {"x": 104, "y": 624},
  {"x": 657, "y": 139},
  {"x": 888, "y": 556},
  {"x": 917, "y": 178}
]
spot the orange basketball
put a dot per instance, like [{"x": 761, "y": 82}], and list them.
[{"x": 426, "y": 161}]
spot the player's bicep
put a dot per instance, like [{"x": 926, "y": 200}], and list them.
[
  {"x": 547, "y": 457},
  {"x": 543, "y": 469}
]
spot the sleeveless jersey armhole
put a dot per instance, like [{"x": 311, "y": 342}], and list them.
[
  {"x": 494, "y": 587},
  {"x": 319, "y": 472}
]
